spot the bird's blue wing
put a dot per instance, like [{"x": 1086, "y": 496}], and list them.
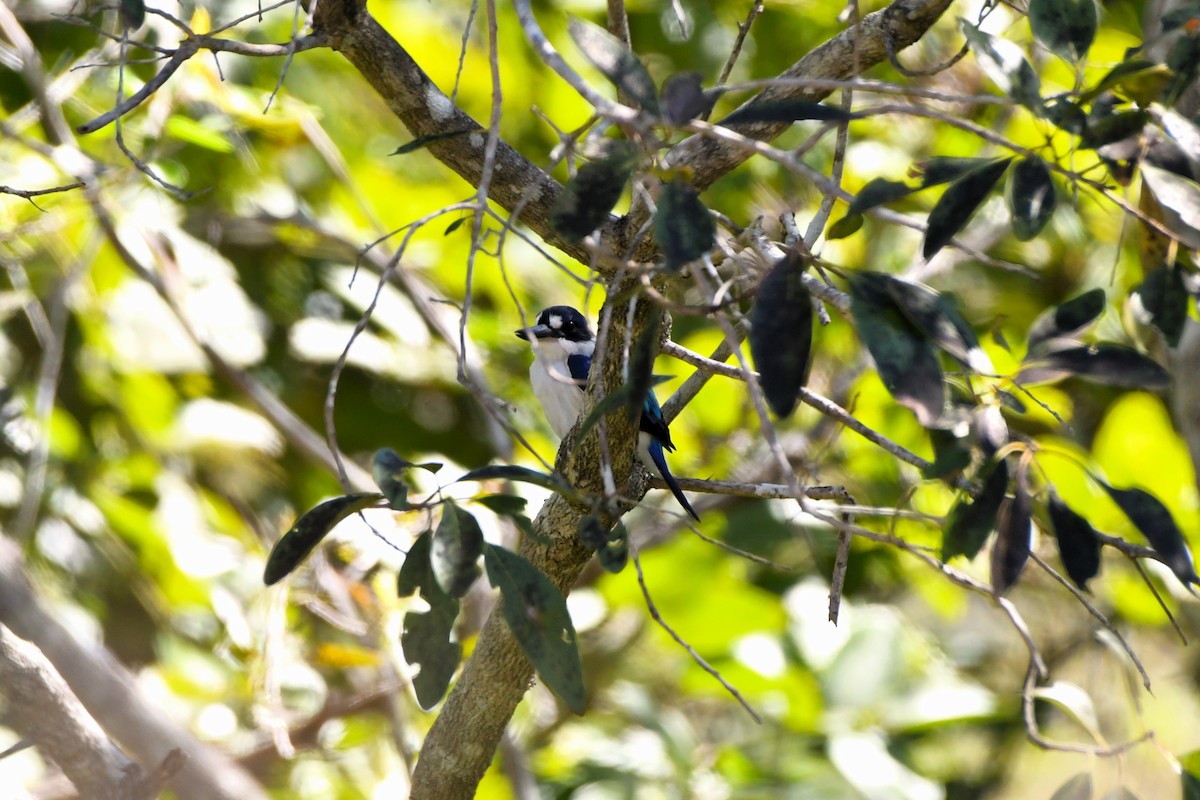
[
  {"x": 579, "y": 365},
  {"x": 654, "y": 423},
  {"x": 660, "y": 461}
]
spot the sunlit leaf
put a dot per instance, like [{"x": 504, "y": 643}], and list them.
[
  {"x": 308, "y": 531},
  {"x": 616, "y": 62},
  {"x": 1031, "y": 196},
  {"x": 1010, "y": 548},
  {"x": 457, "y": 545},
  {"x": 781, "y": 330},
  {"x": 1006, "y": 66},
  {"x": 1139, "y": 79},
  {"x": 1155, "y": 522},
  {"x": 683, "y": 227},
  {"x": 937, "y": 316},
  {"x": 424, "y": 141},
  {"x": 786, "y": 111},
  {"x": 684, "y": 98},
  {"x": 587, "y": 199},
  {"x": 1068, "y": 319},
  {"x": 1074, "y": 701},
  {"x": 1164, "y": 300},
  {"x": 906, "y": 362},
  {"x": 537, "y": 616},
  {"x": 1077, "y": 788},
  {"x": 427, "y": 637},
  {"x": 971, "y": 521},
  {"x": 1067, "y": 27},
  {"x": 958, "y": 203},
  {"x": 1078, "y": 545},
  {"x": 1106, "y": 364},
  {"x": 1179, "y": 198}
]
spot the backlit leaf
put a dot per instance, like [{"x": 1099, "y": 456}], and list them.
[
  {"x": 457, "y": 545},
  {"x": 1106, "y": 364},
  {"x": 427, "y": 637},
  {"x": 308, "y": 531},
  {"x": 1164, "y": 299},
  {"x": 1031, "y": 196},
  {"x": 1005, "y": 65},
  {"x": 1155, "y": 522},
  {"x": 906, "y": 362},
  {"x": 971, "y": 521},
  {"x": 537, "y": 616},
  {"x": 781, "y": 330},
  {"x": 587, "y": 199},
  {"x": 1067, "y": 27},
  {"x": 1010, "y": 549},
  {"x": 1078, "y": 545},
  {"x": 682, "y": 225},
  {"x": 1068, "y": 319},
  {"x": 959, "y": 202},
  {"x": 616, "y": 62}
]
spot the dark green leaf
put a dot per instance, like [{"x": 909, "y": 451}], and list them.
[
  {"x": 295, "y": 545},
  {"x": 1164, "y": 299},
  {"x": 641, "y": 363},
  {"x": 614, "y": 555},
  {"x": 878, "y": 192},
  {"x": 1010, "y": 549},
  {"x": 907, "y": 364},
  {"x": 937, "y": 316},
  {"x": 1031, "y": 196},
  {"x": 507, "y": 472},
  {"x": 1155, "y": 522},
  {"x": 1139, "y": 79},
  {"x": 1180, "y": 201},
  {"x": 1078, "y": 545},
  {"x": 387, "y": 466},
  {"x": 971, "y": 521},
  {"x": 1066, "y": 114},
  {"x": 951, "y": 455},
  {"x": 1190, "y": 784},
  {"x": 503, "y": 504},
  {"x": 785, "y": 111},
  {"x": 1113, "y": 127},
  {"x": 1011, "y": 401},
  {"x": 846, "y": 226},
  {"x": 781, "y": 331},
  {"x": 133, "y": 12},
  {"x": 684, "y": 98},
  {"x": 537, "y": 616},
  {"x": 587, "y": 199},
  {"x": 959, "y": 202},
  {"x": 1184, "y": 62},
  {"x": 1077, "y": 788},
  {"x": 1006, "y": 66},
  {"x": 1067, "y": 27},
  {"x": 944, "y": 169},
  {"x": 616, "y": 62},
  {"x": 1066, "y": 320},
  {"x": 592, "y": 534},
  {"x": 427, "y": 636},
  {"x": 457, "y": 544},
  {"x": 432, "y": 138},
  {"x": 682, "y": 226},
  {"x": 453, "y": 226},
  {"x": 1106, "y": 364}
]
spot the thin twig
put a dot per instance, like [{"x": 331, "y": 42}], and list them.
[{"x": 756, "y": 8}]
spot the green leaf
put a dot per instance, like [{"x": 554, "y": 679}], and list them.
[
  {"x": 427, "y": 638},
  {"x": 587, "y": 199},
  {"x": 1031, "y": 196},
  {"x": 614, "y": 555},
  {"x": 1164, "y": 299},
  {"x": 1078, "y": 545},
  {"x": 846, "y": 226},
  {"x": 133, "y": 12},
  {"x": 536, "y": 613},
  {"x": 1067, "y": 27},
  {"x": 1006, "y": 66},
  {"x": 682, "y": 225},
  {"x": 1155, "y": 522},
  {"x": 1068, "y": 319},
  {"x": 503, "y": 504},
  {"x": 781, "y": 332},
  {"x": 195, "y": 132},
  {"x": 944, "y": 169},
  {"x": 878, "y": 192},
  {"x": 937, "y": 316},
  {"x": 508, "y": 472},
  {"x": 1180, "y": 201},
  {"x": 951, "y": 454},
  {"x": 641, "y": 364},
  {"x": 295, "y": 545},
  {"x": 971, "y": 521},
  {"x": 786, "y": 111},
  {"x": 424, "y": 141},
  {"x": 1010, "y": 550},
  {"x": 1139, "y": 79},
  {"x": 453, "y": 226},
  {"x": 616, "y": 62},
  {"x": 684, "y": 98},
  {"x": 1077, "y": 788},
  {"x": 1190, "y": 783},
  {"x": 1112, "y": 127},
  {"x": 907, "y": 364},
  {"x": 959, "y": 202},
  {"x": 457, "y": 545},
  {"x": 1106, "y": 364}
]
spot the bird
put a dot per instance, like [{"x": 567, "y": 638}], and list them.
[{"x": 563, "y": 345}]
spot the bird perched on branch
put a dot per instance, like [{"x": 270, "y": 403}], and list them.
[{"x": 563, "y": 345}]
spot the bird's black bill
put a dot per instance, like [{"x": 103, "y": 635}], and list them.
[{"x": 538, "y": 332}]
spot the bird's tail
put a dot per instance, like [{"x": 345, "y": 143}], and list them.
[{"x": 660, "y": 461}]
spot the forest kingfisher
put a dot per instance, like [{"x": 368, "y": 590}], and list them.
[{"x": 563, "y": 345}]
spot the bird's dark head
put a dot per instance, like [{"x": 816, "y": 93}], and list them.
[{"x": 558, "y": 322}]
